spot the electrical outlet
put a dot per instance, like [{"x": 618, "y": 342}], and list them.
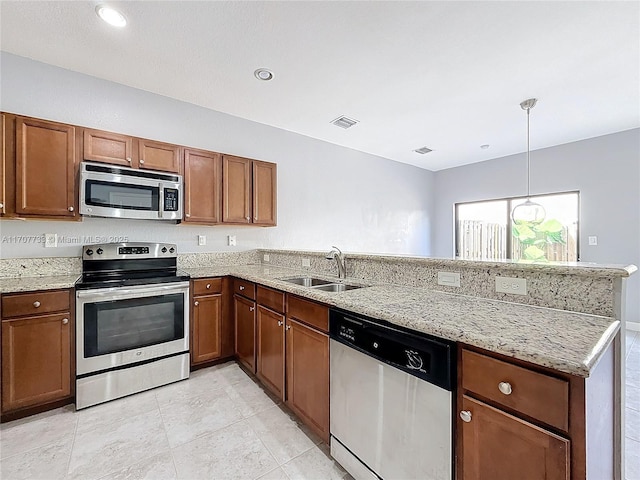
[
  {"x": 265, "y": 257},
  {"x": 593, "y": 240},
  {"x": 202, "y": 240},
  {"x": 231, "y": 240},
  {"x": 306, "y": 262},
  {"x": 50, "y": 240},
  {"x": 449, "y": 279},
  {"x": 515, "y": 286}
]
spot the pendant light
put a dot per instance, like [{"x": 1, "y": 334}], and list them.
[{"x": 528, "y": 213}]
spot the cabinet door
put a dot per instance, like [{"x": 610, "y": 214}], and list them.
[
  {"x": 45, "y": 168},
  {"x": 236, "y": 189},
  {"x": 107, "y": 147},
  {"x": 36, "y": 356},
  {"x": 245, "y": 319},
  {"x": 3, "y": 162},
  {"x": 308, "y": 376},
  {"x": 499, "y": 446},
  {"x": 264, "y": 193},
  {"x": 205, "y": 340},
  {"x": 202, "y": 187},
  {"x": 158, "y": 156},
  {"x": 271, "y": 350}
]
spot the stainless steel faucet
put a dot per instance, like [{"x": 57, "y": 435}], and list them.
[{"x": 337, "y": 255}]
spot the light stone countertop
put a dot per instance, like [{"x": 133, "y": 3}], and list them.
[{"x": 566, "y": 341}]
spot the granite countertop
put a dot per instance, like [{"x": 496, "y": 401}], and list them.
[{"x": 565, "y": 341}]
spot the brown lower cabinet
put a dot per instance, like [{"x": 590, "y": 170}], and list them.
[
  {"x": 36, "y": 349},
  {"x": 245, "y": 322},
  {"x": 270, "y": 364},
  {"x": 212, "y": 329}
]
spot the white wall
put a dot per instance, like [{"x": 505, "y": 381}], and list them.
[
  {"x": 327, "y": 195},
  {"x": 606, "y": 171}
]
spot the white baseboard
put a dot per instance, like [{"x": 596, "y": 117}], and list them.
[{"x": 633, "y": 326}]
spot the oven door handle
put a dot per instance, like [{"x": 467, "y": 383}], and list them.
[{"x": 120, "y": 292}]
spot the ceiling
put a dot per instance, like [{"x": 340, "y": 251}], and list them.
[{"x": 447, "y": 75}]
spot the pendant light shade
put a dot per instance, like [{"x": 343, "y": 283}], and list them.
[{"x": 528, "y": 212}]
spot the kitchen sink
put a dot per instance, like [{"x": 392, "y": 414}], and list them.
[
  {"x": 337, "y": 287},
  {"x": 307, "y": 281}
]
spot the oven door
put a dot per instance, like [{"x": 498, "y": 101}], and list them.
[{"x": 129, "y": 325}]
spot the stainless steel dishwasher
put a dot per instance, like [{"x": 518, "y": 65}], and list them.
[{"x": 391, "y": 400}]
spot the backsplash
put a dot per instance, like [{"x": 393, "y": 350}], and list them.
[
  {"x": 38, "y": 267},
  {"x": 580, "y": 288}
]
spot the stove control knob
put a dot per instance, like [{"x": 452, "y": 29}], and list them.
[
  {"x": 89, "y": 251},
  {"x": 99, "y": 251},
  {"x": 171, "y": 250},
  {"x": 164, "y": 250}
]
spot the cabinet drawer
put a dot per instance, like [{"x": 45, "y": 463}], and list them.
[
  {"x": 207, "y": 286},
  {"x": 244, "y": 288},
  {"x": 35, "y": 303},
  {"x": 534, "y": 394},
  {"x": 269, "y": 298},
  {"x": 308, "y": 312}
]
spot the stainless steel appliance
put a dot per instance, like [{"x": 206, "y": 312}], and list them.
[
  {"x": 132, "y": 328},
  {"x": 120, "y": 192},
  {"x": 391, "y": 400}
]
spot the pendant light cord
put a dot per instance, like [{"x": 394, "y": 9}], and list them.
[{"x": 528, "y": 155}]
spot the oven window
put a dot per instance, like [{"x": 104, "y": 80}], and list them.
[
  {"x": 121, "y": 195},
  {"x": 120, "y": 325}
]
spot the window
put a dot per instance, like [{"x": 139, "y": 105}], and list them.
[{"x": 485, "y": 231}]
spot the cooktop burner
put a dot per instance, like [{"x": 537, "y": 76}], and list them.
[{"x": 126, "y": 264}]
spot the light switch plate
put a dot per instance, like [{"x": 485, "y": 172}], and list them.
[
  {"x": 593, "y": 240},
  {"x": 449, "y": 279},
  {"x": 202, "y": 240},
  {"x": 50, "y": 240},
  {"x": 306, "y": 262},
  {"x": 514, "y": 286},
  {"x": 231, "y": 240},
  {"x": 265, "y": 257}
]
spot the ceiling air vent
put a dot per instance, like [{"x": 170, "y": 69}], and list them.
[
  {"x": 344, "y": 122},
  {"x": 423, "y": 150}
]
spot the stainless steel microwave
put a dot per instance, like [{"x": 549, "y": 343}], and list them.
[{"x": 121, "y": 192}]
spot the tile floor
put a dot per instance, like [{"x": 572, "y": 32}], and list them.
[{"x": 218, "y": 424}]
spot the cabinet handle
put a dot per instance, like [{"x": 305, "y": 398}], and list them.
[
  {"x": 255, "y": 219},
  {"x": 36, "y": 304},
  {"x": 196, "y": 303},
  {"x": 141, "y": 162},
  {"x": 1, "y": 205},
  {"x": 505, "y": 387},
  {"x": 288, "y": 327},
  {"x": 251, "y": 309},
  {"x": 241, "y": 287},
  {"x": 248, "y": 219},
  {"x": 187, "y": 215},
  {"x": 129, "y": 159},
  {"x": 71, "y": 209},
  {"x": 279, "y": 323},
  {"x": 465, "y": 415},
  {"x": 208, "y": 285},
  {"x": 65, "y": 321}
]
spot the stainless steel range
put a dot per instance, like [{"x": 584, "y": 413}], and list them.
[{"x": 132, "y": 328}]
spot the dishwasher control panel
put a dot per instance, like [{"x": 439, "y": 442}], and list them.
[{"x": 420, "y": 355}]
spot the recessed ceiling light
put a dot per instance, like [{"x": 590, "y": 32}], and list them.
[
  {"x": 111, "y": 16},
  {"x": 344, "y": 122},
  {"x": 485, "y": 146},
  {"x": 263, "y": 74},
  {"x": 423, "y": 150}
]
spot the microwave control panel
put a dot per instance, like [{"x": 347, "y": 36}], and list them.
[{"x": 170, "y": 200}]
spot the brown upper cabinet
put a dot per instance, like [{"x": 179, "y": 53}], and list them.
[
  {"x": 3, "y": 163},
  {"x": 45, "y": 168},
  {"x": 248, "y": 191},
  {"x": 202, "y": 186},
  {"x": 114, "y": 148}
]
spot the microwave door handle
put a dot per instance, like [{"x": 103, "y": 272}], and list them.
[{"x": 161, "y": 200}]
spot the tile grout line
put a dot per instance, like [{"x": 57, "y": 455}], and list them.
[
  {"x": 73, "y": 442},
  {"x": 166, "y": 434}
]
